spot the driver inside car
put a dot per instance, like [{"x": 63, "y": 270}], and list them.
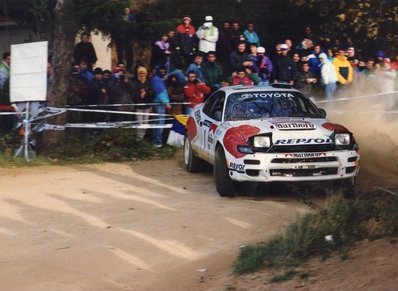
[{"x": 281, "y": 107}]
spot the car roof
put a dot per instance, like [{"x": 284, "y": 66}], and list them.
[{"x": 273, "y": 87}]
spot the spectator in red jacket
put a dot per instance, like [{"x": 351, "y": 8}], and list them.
[{"x": 194, "y": 91}]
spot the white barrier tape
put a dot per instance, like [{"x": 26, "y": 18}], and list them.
[
  {"x": 365, "y": 112},
  {"x": 127, "y": 105},
  {"x": 117, "y": 112},
  {"x": 46, "y": 126},
  {"x": 357, "y": 97},
  {"x": 116, "y": 125},
  {"x": 9, "y": 113},
  {"x": 51, "y": 114}
]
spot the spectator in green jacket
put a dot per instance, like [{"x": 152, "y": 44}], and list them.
[{"x": 213, "y": 71}]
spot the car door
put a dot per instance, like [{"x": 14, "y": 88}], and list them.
[{"x": 212, "y": 118}]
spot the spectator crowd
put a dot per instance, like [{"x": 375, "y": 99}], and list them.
[{"x": 189, "y": 63}]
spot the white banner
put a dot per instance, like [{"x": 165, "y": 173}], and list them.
[{"x": 28, "y": 72}]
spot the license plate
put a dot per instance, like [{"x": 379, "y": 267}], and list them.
[{"x": 304, "y": 167}]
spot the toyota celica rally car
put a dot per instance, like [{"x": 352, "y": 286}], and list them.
[{"x": 267, "y": 134}]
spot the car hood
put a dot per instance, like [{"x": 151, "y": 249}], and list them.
[{"x": 290, "y": 130}]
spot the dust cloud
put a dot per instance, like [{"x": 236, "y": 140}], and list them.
[{"x": 373, "y": 119}]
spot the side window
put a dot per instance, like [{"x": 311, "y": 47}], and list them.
[{"x": 214, "y": 106}]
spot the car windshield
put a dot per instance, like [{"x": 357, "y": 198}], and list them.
[{"x": 267, "y": 104}]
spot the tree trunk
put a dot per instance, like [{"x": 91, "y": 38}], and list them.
[{"x": 61, "y": 50}]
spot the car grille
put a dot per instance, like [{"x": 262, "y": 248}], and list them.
[
  {"x": 303, "y": 172},
  {"x": 303, "y": 160}
]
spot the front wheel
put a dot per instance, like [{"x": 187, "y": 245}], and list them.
[
  {"x": 224, "y": 185},
  {"x": 346, "y": 186}
]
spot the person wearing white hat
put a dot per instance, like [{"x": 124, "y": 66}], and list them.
[{"x": 207, "y": 35}]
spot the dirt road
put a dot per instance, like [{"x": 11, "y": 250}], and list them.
[
  {"x": 137, "y": 226},
  {"x": 149, "y": 225}
]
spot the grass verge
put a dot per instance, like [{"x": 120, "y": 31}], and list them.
[
  {"x": 113, "y": 145},
  {"x": 336, "y": 227}
]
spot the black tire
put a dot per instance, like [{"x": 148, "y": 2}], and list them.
[
  {"x": 224, "y": 185},
  {"x": 346, "y": 187},
  {"x": 192, "y": 164},
  {"x": 247, "y": 188}
]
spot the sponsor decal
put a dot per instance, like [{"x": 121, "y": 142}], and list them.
[
  {"x": 210, "y": 139},
  {"x": 305, "y": 155},
  {"x": 213, "y": 128},
  {"x": 197, "y": 116},
  {"x": 238, "y": 136},
  {"x": 303, "y": 141},
  {"x": 207, "y": 123},
  {"x": 293, "y": 125},
  {"x": 237, "y": 167},
  {"x": 266, "y": 95},
  {"x": 334, "y": 126}
]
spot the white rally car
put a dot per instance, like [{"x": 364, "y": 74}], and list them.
[{"x": 267, "y": 134}]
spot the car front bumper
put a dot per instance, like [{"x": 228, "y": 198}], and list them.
[{"x": 304, "y": 166}]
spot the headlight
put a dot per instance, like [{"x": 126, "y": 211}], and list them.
[
  {"x": 342, "y": 139},
  {"x": 262, "y": 142}
]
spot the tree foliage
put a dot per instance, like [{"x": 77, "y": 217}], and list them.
[{"x": 372, "y": 24}]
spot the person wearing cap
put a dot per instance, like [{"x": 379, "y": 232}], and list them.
[
  {"x": 207, "y": 35},
  {"x": 186, "y": 41},
  {"x": 284, "y": 67},
  {"x": 264, "y": 66}
]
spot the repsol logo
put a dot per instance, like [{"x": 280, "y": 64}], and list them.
[
  {"x": 265, "y": 95},
  {"x": 294, "y": 125},
  {"x": 237, "y": 167},
  {"x": 303, "y": 141}
]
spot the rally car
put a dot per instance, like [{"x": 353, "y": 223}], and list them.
[{"x": 267, "y": 134}]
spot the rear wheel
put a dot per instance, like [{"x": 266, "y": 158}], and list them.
[
  {"x": 192, "y": 164},
  {"x": 225, "y": 186}
]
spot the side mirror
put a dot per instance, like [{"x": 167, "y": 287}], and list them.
[{"x": 323, "y": 112}]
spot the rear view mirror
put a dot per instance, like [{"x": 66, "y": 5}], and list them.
[{"x": 323, "y": 112}]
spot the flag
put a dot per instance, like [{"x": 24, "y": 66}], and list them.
[{"x": 177, "y": 131}]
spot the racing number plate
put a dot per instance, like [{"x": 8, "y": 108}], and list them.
[{"x": 303, "y": 167}]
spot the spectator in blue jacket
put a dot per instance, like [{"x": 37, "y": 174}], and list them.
[
  {"x": 250, "y": 35},
  {"x": 163, "y": 101}
]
